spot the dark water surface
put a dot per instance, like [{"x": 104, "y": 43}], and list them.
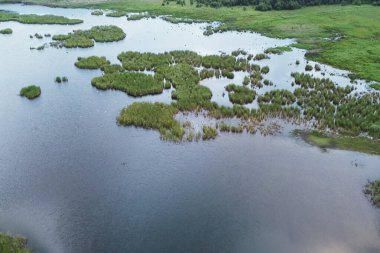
[{"x": 73, "y": 181}]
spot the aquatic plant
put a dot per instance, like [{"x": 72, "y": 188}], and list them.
[
  {"x": 138, "y": 16},
  {"x": 13, "y": 244},
  {"x": 209, "y": 133},
  {"x": 37, "y": 19},
  {"x": 134, "y": 84},
  {"x": 92, "y": 62},
  {"x": 372, "y": 190},
  {"x": 116, "y": 14},
  {"x": 58, "y": 79},
  {"x": 265, "y": 70},
  {"x": 308, "y": 67},
  {"x": 259, "y": 57},
  {"x": 30, "y": 92},
  {"x": 240, "y": 94},
  {"x": 6, "y": 31},
  {"x": 277, "y": 50},
  {"x": 65, "y": 79},
  {"x": 375, "y": 86},
  {"x": 317, "y": 67},
  {"x": 86, "y": 38},
  {"x": 156, "y": 116}
]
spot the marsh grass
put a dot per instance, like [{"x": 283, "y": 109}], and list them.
[
  {"x": 86, "y": 38},
  {"x": 12, "y": 244},
  {"x": 134, "y": 84},
  {"x": 30, "y": 92},
  {"x": 6, "y": 31},
  {"x": 209, "y": 132},
  {"x": 240, "y": 94},
  {"x": 375, "y": 86},
  {"x": 97, "y": 13},
  {"x": 92, "y": 62},
  {"x": 37, "y": 19},
  {"x": 156, "y": 116},
  {"x": 277, "y": 50},
  {"x": 372, "y": 190}
]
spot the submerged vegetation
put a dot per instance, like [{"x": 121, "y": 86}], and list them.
[
  {"x": 37, "y": 19},
  {"x": 86, "y": 38},
  {"x": 11, "y": 244},
  {"x": 30, "y": 92},
  {"x": 6, "y": 31}
]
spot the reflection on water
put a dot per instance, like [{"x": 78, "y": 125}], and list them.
[{"x": 71, "y": 180}]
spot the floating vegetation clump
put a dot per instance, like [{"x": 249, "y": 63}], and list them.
[
  {"x": 86, "y": 38},
  {"x": 30, "y": 92},
  {"x": 277, "y": 97},
  {"x": 265, "y": 70},
  {"x": 174, "y": 20},
  {"x": 156, "y": 116},
  {"x": 92, "y": 62},
  {"x": 260, "y": 57},
  {"x": 308, "y": 67},
  {"x": 6, "y": 31},
  {"x": 240, "y": 94},
  {"x": 37, "y": 19},
  {"x": 134, "y": 84}
]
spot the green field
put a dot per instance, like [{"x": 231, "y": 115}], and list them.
[{"x": 357, "y": 27}]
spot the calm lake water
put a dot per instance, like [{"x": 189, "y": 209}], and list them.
[{"x": 72, "y": 181}]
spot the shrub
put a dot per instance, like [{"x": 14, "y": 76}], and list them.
[{"x": 92, "y": 62}]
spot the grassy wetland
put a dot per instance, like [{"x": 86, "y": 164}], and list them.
[{"x": 228, "y": 91}]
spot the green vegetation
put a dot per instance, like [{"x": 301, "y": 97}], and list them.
[
  {"x": 116, "y": 14},
  {"x": 308, "y": 67},
  {"x": 134, "y": 84},
  {"x": 6, "y": 31},
  {"x": 277, "y": 50},
  {"x": 36, "y": 19},
  {"x": 356, "y": 27},
  {"x": 10, "y": 244},
  {"x": 372, "y": 190},
  {"x": 209, "y": 133},
  {"x": 240, "y": 94},
  {"x": 92, "y": 62},
  {"x": 156, "y": 116},
  {"x": 265, "y": 70},
  {"x": 30, "y": 92},
  {"x": 344, "y": 142},
  {"x": 375, "y": 86},
  {"x": 86, "y": 38}
]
